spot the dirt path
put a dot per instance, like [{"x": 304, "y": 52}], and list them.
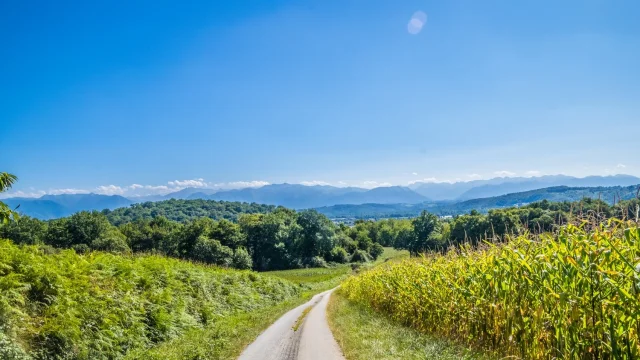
[{"x": 311, "y": 341}]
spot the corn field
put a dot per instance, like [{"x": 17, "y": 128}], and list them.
[{"x": 572, "y": 295}]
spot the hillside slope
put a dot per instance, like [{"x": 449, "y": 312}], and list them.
[
  {"x": 70, "y": 306},
  {"x": 184, "y": 210}
]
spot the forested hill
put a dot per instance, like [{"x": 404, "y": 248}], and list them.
[{"x": 185, "y": 210}]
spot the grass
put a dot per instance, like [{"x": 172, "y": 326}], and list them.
[
  {"x": 364, "y": 334},
  {"x": 227, "y": 338},
  {"x": 572, "y": 295},
  {"x": 223, "y": 340},
  {"x": 300, "y": 319},
  {"x": 391, "y": 254}
]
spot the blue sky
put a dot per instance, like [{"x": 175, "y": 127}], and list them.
[{"x": 99, "y": 95}]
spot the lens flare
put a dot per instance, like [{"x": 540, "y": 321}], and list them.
[{"x": 417, "y": 22}]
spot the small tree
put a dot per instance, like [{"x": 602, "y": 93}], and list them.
[
  {"x": 339, "y": 255},
  {"x": 211, "y": 251},
  {"x": 376, "y": 250},
  {"x": 6, "y": 181},
  {"x": 241, "y": 259}
]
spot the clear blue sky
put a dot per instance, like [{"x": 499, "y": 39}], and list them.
[{"x": 98, "y": 93}]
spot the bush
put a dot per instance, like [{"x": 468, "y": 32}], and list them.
[
  {"x": 316, "y": 262},
  {"x": 360, "y": 256},
  {"x": 78, "y": 248},
  {"x": 376, "y": 250},
  {"x": 112, "y": 241},
  {"x": 241, "y": 259},
  {"x": 212, "y": 252},
  {"x": 339, "y": 255},
  {"x": 9, "y": 350}
]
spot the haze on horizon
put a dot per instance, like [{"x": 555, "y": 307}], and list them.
[{"x": 104, "y": 97}]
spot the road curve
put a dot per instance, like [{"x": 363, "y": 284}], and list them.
[{"x": 312, "y": 341}]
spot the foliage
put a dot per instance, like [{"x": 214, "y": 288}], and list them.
[
  {"x": 339, "y": 255},
  {"x": 225, "y": 338},
  {"x": 6, "y": 181},
  {"x": 376, "y": 251},
  {"x": 316, "y": 262},
  {"x": 574, "y": 295},
  {"x": 184, "y": 210},
  {"x": 360, "y": 256},
  {"x": 364, "y": 334},
  {"x": 281, "y": 239},
  {"x": 99, "y": 305}
]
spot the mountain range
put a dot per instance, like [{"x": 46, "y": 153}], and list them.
[
  {"x": 296, "y": 196},
  {"x": 56, "y": 206},
  {"x": 557, "y": 193},
  {"x": 507, "y": 185}
]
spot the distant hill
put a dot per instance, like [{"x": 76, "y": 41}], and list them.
[
  {"x": 502, "y": 186},
  {"x": 185, "y": 210},
  {"x": 490, "y": 190},
  {"x": 55, "y": 206},
  {"x": 300, "y": 197},
  {"x": 559, "y": 193},
  {"x": 41, "y": 209}
]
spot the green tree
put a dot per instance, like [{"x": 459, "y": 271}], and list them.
[
  {"x": 112, "y": 240},
  {"x": 241, "y": 259},
  {"x": 24, "y": 230},
  {"x": 228, "y": 234},
  {"x": 339, "y": 255},
  {"x": 6, "y": 181},
  {"x": 272, "y": 239},
  {"x": 316, "y": 234},
  {"x": 376, "y": 251},
  {"x": 211, "y": 251},
  {"x": 84, "y": 227},
  {"x": 426, "y": 230}
]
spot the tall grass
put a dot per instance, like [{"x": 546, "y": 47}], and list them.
[
  {"x": 62, "y": 305},
  {"x": 573, "y": 295}
]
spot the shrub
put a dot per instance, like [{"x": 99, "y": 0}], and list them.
[
  {"x": 111, "y": 241},
  {"x": 339, "y": 255},
  {"x": 211, "y": 251},
  {"x": 241, "y": 259},
  {"x": 9, "y": 350},
  {"x": 360, "y": 256},
  {"x": 376, "y": 250},
  {"x": 78, "y": 248},
  {"x": 316, "y": 262}
]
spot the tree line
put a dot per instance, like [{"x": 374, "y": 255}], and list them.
[
  {"x": 286, "y": 239},
  {"x": 281, "y": 239},
  {"x": 184, "y": 210},
  {"x": 428, "y": 232},
  {"x": 263, "y": 237}
]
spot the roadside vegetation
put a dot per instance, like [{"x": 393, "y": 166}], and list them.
[
  {"x": 64, "y": 305},
  {"x": 569, "y": 295},
  {"x": 364, "y": 334}
]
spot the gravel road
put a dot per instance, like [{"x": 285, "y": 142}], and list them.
[{"x": 312, "y": 340}]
